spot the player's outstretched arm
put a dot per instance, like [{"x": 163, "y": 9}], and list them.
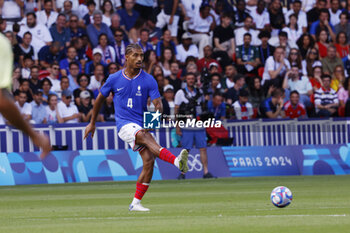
[
  {"x": 9, "y": 110},
  {"x": 90, "y": 128}
]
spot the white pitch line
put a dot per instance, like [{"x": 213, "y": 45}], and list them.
[{"x": 298, "y": 215}]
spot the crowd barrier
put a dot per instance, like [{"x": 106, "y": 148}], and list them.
[
  {"x": 126, "y": 165},
  {"x": 244, "y": 133}
]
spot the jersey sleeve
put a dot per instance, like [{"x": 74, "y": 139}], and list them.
[
  {"x": 6, "y": 62},
  {"x": 108, "y": 86},
  {"x": 153, "y": 91}
]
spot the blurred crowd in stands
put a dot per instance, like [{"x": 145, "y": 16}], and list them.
[{"x": 249, "y": 58}]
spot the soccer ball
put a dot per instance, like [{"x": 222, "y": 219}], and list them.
[{"x": 281, "y": 196}]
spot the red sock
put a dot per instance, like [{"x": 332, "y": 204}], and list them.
[
  {"x": 140, "y": 190},
  {"x": 167, "y": 156}
]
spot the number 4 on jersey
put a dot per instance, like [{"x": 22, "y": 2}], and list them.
[{"x": 129, "y": 105}]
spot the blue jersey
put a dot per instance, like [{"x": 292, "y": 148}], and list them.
[{"x": 130, "y": 96}]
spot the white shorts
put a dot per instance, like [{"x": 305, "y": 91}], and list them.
[
  {"x": 163, "y": 19},
  {"x": 128, "y": 134}
]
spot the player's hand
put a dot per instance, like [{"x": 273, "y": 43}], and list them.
[
  {"x": 90, "y": 128},
  {"x": 43, "y": 142}
]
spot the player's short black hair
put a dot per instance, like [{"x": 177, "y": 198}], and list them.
[{"x": 131, "y": 47}]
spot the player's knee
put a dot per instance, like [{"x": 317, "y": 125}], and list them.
[{"x": 143, "y": 137}]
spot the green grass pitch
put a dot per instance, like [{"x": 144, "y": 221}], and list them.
[{"x": 320, "y": 204}]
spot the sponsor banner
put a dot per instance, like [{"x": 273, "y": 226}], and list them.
[
  {"x": 97, "y": 165},
  {"x": 261, "y": 161},
  {"x": 288, "y": 160}
]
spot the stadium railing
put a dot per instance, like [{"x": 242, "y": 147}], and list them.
[{"x": 260, "y": 132}]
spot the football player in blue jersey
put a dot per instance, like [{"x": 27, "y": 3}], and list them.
[{"x": 131, "y": 87}]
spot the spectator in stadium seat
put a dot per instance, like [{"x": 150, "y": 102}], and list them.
[
  {"x": 326, "y": 99},
  {"x": 173, "y": 79},
  {"x": 338, "y": 78},
  {"x": 48, "y": 15},
  {"x": 261, "y": 17},
  {"x": 207, "y": 59},
  {"x": 228, "y": 81},
  {"x": 314, "y": 13},
  {"x": 66, "y": 109},
  {"x": 46, "y": 90},
  {"x": 343, "y": 93},
  {"x": 49, "y": 54},
  {"x": 294, "y": 109},
  {"x": 74, "y": 29},
  {"x": 97, "y": 59},
  {"x": 24, "y": 108},
  {"x": 343, "y": 25},
  {"x": 24, "y": 87},
  {"x": 342, "y": 45},
  {"x": 71, "y": 57},
  {"x": 144, "y": 40},
  {"x": 166, "y": 59},
  {"x": 60, "y": 32},
  {"x": 150, "y": 61},
  {"x": 25, "y": 49},
  {"x": 108, "y": 52},
  {"x": 68, "y": 10},
  {"x": 331, "y": 61},
  {"x": 168, "y": 102},
  {"x": 213, "y": 87},
  {"x": 97, "y": 28},
  {"x": 107, "y": 10},
  {"x": 217, "y": 106},
  {"x": 40, "y": 34},
  {"x": 38, "y": 109},
  {"x": 300, "y": 14},
  {"x": 83, "y": 81},
  {"x": 169, "y": 16},
  {"x": 187, "y": 48},
  {"x": 275, "y": 68},
  {"x": 315, "y": 78},
  {"x": 273, "y": 107},
  {"x": 34, "y": 82},
  {"x": 293, "y": 30},
  {"x": 73, "y": 76},
  {"x": 16, "y": 78},
  {"x": 323, "y": 24},
  {"x": 241, "y": 13},
  {"x": 247, "y": 28},
  {"x": 334, "y": 12},
  {"x": 224, "y": 38},
  {"x": 277, "y": 21},
  {"x": 243, "y": 109},
  {"x": 265, "y": 49},
  {"x": 293, "y": 81},
  {"x": 88, "y": 18},
  {"x": 128, "y": 15},
  {"x": 247, "y": 56},
  {"x": 64, "y": 85},
  {"x": 85, "y": 108},
  {"x": 11, "y": 10},
  {"x": 311, "y": 61},
  {"x": 52, "y": 114},
  {"x": 53, "y": 77},
  {"x": 82, "y": 55},
  {"x": 120, "y": 46},
  {"x": 256, "y": 93},
  {"x": 107, "y": 109},
  {"x": 166, "y": 42},
  {"x": 201, "y": 26},
  {"x": 112, "y": 68},
  {"x": 232, "y": 93},
  {"x": 294, "y": 58},
  {"x": 96, "y": 79},
  {"x": 305, "y": 43}
]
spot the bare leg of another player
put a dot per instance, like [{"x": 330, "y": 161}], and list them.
[{"x": 149, "y": 154}]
